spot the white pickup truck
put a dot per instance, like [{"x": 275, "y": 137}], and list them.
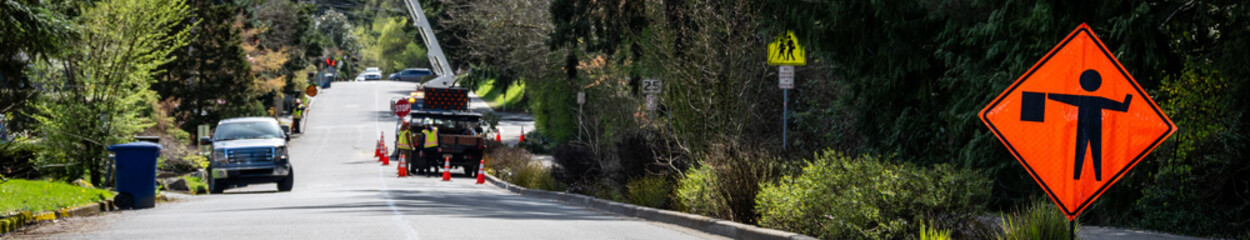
[{"x": 246, "y": 151}]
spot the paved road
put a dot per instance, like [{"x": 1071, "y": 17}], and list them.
[{"x": 342, "y": 193}]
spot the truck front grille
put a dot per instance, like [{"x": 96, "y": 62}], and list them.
[{"x": 250, "y": 155}]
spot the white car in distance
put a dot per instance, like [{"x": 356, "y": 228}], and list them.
[{"x": 372, "y": 73}]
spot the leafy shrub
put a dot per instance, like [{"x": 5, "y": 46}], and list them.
[
  {"x": 697, "y": 193},
  {"x": 196, "y": 185},
  {"x": 929, "y": 233},
  {"x": 608, "y": 190},
  {"x": 535, "y": 176},
  {"x": 870, "y": 197},
  {"x": 648, "y": 151},
  {"x": 726, "y": 183},
  {"x": 505, "y": 161},
  {"x": 187, "y": 163},
  {"x": 514, "y": 165},
  {"x": 650, "y": 191},
  {"x": 575, "y": 164},
  {"x": 1040, "y": 221},
  {"x": 16, "y": 158}
]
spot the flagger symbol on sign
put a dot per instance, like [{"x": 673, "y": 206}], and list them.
[{"x": 1089, "y": 117}]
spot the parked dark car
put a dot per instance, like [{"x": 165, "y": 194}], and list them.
[{"x": 411, "y": 75}]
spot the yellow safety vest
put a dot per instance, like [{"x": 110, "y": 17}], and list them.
[
  {"x": 431, "y": 138},
  {"x": 403, "y": 140},
  {"x": 298, "y": 113}
]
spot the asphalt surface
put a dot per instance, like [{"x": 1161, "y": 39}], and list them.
[{"x": 341, "y": 192}]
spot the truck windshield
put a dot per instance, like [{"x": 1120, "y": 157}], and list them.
[{"x": 247, "y": 130}]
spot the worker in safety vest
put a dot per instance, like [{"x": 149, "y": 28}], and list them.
[
  {"x": 430, "y": 145},
  {"x": 297, "y": 114},
  {"x": 404, "y": 144}
]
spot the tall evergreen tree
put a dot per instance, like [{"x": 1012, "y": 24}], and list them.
[{"x": 210, "y": 78}]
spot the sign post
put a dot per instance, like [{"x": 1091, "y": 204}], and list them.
[
  {"x": 1077, "y": 122},
  {"x": 786, "y": 52},
  {"x": 786, "y": 81},
  {"x": 651, "y": 87},
  {"x": 581, "y": 100},
  {"x": 203, "y": 130}
]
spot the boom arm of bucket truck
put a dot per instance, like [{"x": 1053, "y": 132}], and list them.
[{"x": 444, "y": 76}]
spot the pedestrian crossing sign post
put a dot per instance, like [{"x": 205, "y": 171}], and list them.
[{"x": 786, "y": 50}]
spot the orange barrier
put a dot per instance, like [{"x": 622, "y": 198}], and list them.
[
  {"x": 447, "y": 169},
  {"x": 403, "y": 165},
  {"x": 481, "y": 172}
]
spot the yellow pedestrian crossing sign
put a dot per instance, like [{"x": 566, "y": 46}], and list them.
[{"x": 786, "y": 51}]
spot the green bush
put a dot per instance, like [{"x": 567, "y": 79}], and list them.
[
  {"x": 196, "y": 185},
  {"x": 504, "y": 161},
  {"x": 607, "y": 189},
  {"x": 187, "y": 163},
  {"x": 727, "y": 181},
  {"x": 650, "y": 191},
  {"x": 536, "y": 176},
  {"x": 1040, "y": 221},
  {"x": 697, "y": 193},
  {"x": 929, "y": 233},
  {"x": 515, "y": 166},
  {"x": 871, "y": 197}
]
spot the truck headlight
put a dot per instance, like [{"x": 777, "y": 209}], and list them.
[
  {"x": 279, "y": 153},
  {"x": 219, "y": 156}
]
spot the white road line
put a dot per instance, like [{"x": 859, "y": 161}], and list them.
[{"x": 399, "y": 218}]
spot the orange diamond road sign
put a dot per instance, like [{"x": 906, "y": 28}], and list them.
[{"x": 1077, "y": 121}]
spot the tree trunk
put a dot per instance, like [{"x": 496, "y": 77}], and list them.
[{"x": 94, "y": 167}]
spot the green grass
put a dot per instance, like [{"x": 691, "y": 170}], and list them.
[
  {"x": 1040, "y": 220},
  {"x": 196, "y": 185},
  {"x": 37, "y": 196},
  {"x": 494, "y": 96}
]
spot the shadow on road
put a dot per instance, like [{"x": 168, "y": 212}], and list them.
[
  {"x": 360, "y": 162},
  {"x": 397, "y": 93},
  {"x": 461, "y": 202},
  {"x": 246, "y": 192}
]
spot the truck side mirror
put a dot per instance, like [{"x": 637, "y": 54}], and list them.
[
  {"x": 206, "y": 141},
  {"x": 286, "y": 129}
]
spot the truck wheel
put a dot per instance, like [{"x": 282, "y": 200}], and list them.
[
  {"x": 422, "y": 166},
  {"x": 287, "y": 183},
  {"x": 214, "y": 187},
  {"x": 470, "y": 170}
]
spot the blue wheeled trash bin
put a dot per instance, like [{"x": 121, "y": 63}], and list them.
[{"x": 136, "y": 174}]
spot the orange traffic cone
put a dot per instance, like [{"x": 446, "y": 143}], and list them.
[
  {"x": 377, "y": 150},
  {"x": 497, "y": 138},
  {"x": 481, "y": 172},
  {"x": 522, "y": 134},
  {"x": 447, "y": 169},
  {"x": 403, "y": 166},
  {"x": 386, "y": 159}
]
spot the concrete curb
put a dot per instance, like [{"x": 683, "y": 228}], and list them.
[
  {"x": 721, "y": 227},
  {"x": 18, "y": 220}
]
